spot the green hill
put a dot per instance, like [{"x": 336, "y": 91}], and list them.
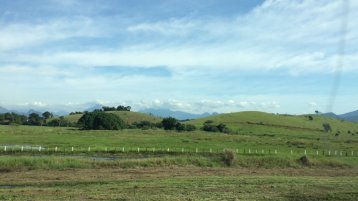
[
  {"x": 260, "y": 122},
  {"x": 128, "y": 117}
]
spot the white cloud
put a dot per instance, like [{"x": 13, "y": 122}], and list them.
[
  {"x": 296, "y": 36},
  {"x": 22, "y": 35}
]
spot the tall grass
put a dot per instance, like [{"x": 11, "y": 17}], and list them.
[{"x": 10, "y": 163}]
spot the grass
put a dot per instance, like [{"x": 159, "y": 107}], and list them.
[
  {"x": 179, "y": 184},
  {"x": 160, "y": 139},
  {"x": 163, "y": 175}
]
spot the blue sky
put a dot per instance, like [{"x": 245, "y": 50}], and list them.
[{"x": 195, "y": 56}]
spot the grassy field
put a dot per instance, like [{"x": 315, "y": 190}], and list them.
[
  {"x": 175, "y": 183},
  {"x": 203, "y": 171}
]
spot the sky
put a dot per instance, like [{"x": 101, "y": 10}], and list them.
[{"x": 194, "y": 56}]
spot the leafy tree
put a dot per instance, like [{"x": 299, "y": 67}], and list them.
[
  {"x": 108, "y": 108},
  {"x": 47, "y": 115},
  {"x": 169, "y": 123},
  {"x": 101, "y": 121},
  {"x": 180, "y": 127},
  {"x": 327, "y": 127},
  {"x": 12, "y": 118},
  {"x": 124, "y": 108},
  {"x": 35, "y": 119}
]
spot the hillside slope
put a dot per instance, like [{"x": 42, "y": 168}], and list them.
[{"x": 266, "y": 122}]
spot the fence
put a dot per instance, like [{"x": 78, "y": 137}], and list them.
[{"x": 12, "y": 149}]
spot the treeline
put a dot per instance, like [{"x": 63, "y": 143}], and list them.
[
  {"x": 32, "y": 119},
  {"x": 107, "y": 109},
  {"x": 101, "y": 120}
]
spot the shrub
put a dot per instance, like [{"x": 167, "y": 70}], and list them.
[
  {"x": 190, "y": 127},
  {"x": 180, "y": 127},
  {"x": 100, "y": 121},
  {"x": 229, "y": 157},
  {"x": 169, "y": 123}
]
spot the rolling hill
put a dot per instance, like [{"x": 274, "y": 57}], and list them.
[
  {"x": 260, "y": 122},
  {"x": 176, "y": 114}
]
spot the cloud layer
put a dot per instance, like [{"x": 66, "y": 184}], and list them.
[{"x": 189, "y": 55}]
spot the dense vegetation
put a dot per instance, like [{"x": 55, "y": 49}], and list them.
[{"x": 100, "y": 121}]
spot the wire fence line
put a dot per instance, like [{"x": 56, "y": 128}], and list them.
[{"x": 16, "y": 149}]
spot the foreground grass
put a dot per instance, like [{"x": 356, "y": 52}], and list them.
[
  {"x": 131, "y": 160},
  {"x": 179, "y": 184}
]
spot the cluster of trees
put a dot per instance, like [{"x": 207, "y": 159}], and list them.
[
  {"x": 211, "y": 127},
  {"x": 118, "y": 108},
  {"x": 171, "y": 123},
  {"x": 32, "y": 119},
  {"x": 73, "y": 113},
  {"x": 12, "y": 118},
  {"x": 100, "y": 120}
]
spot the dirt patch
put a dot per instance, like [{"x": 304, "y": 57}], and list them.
[{"x": 5, "y": 170}]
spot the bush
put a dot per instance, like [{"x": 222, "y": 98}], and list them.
[
  {"x": 144, "y": 125},
  {"x": 169, "y": 123},
  {"x": 229, "y": 157},
  {"x": 101, "y": 121},
  {"x": 215, "y": 128},
  {"x": 190, "y": 127}
]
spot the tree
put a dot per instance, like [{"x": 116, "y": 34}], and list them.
[
  {"x": 327, "y": 127},
  {"x": 101, "y": 121},
  {"x": 47, "y": 115},
  {"x": 169, "y": 123},
  {"x": 180, "y": 127},
  {"x": 35, "y": 119}
]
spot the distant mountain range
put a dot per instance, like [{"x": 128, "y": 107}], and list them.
[
  {"x": 350, "y": 116},
  {"x": 176, "y": 114}
]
